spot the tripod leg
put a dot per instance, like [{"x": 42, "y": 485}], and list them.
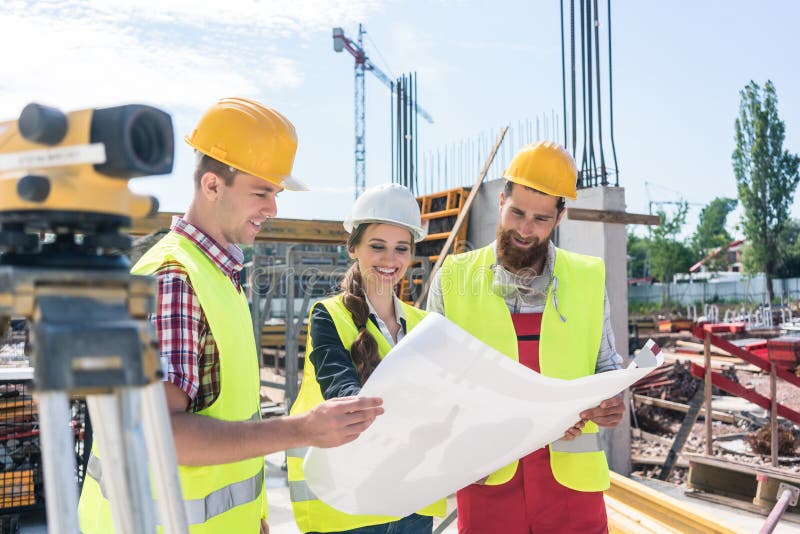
[
  {"x": 124, "y": 470},
  {"x": 163, "y": 460},
  {"x": 61, "y": 492}
]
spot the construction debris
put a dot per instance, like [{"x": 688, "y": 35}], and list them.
[{"x": 760, "y": 441}]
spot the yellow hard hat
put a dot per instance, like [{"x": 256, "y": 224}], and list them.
[
  {"x": 251, "y": 138},
  {"x": 546, "y": 167}
]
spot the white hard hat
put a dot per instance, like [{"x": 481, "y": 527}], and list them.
[{"x": 389, "y": 204}]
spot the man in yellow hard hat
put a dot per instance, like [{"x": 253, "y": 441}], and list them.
[
  {"x": 546, "y": 308},
  {"x": 244, "y": 157}
]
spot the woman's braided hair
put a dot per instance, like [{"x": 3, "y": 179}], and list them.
[{"x": 364, "y": 350}]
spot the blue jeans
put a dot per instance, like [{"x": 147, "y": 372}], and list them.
[{"x": 412, "y": 524}]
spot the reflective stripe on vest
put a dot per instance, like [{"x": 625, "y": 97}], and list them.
[
  {"x": 299, "y": 452},
  {"x": 215, "y": 503},
  {"x": 581, "y": 443},
  {"x": 201, "y": 510},
  {"x": 300, "y": 492}
]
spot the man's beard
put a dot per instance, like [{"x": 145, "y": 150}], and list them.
[{"x": 520, "y": 260}]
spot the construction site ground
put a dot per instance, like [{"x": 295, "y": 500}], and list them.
[{"x": 649, "y": 446}]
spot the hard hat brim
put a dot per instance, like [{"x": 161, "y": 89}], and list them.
[
  {"x": 290, "y": 183},
  {"x": 519, "y": 181},
  {"x": 417, "y": 232}
]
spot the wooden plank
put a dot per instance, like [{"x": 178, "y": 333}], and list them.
[
  {"x": 658, "y": 460},
  {"x": 786, "y": 476},
  {"x": 680, "y": 407},
  {"x": 613, "y": 217},
  {"x": 440, "y": 214},
  {"x": 693, "y": 410},
  {"x": 721, "y": 480},
  {"x": 736, "y": 503},
  {"x": 717, "y": 362},
  {"x": 462, "y": 216},
  {"x": 275, "y": 335},
  {"x": 275, "y": 230},
  {"x": 767, "y": 492},
  {"x": 754, "y": 484},
  {"x": 697, "y": 348}
]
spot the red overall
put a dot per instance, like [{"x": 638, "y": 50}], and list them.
[{"x": 532, "y": 501}]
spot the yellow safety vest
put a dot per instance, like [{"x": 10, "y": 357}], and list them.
[
  {"x": 310, "y": 513},
  {"x": 222, "y": 498},
  {"x": 567, "y": 349}
]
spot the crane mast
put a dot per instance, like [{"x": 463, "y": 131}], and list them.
[{"x": 362, "y": 64}]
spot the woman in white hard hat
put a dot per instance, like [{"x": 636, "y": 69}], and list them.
[{"x": 351, "y": 332}]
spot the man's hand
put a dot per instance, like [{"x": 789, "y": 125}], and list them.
[
  {"x": 264, "y": 527},
  {"x": 339, "y": 421},
  {"x": 574, "y": 431},
  {"x": 608, "y": 413}
]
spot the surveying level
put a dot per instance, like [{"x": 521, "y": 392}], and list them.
[
  {"x": 63, "y": 199},
  {"x": 68, "y": 174}
]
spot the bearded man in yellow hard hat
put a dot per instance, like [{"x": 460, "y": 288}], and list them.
[
  {"x": 244, "y": 157},
  {"x": 546, "y": 308}
]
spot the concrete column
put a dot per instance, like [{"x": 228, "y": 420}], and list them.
[
  {"x": 484, "y": 214},
  {"x": 609, "y": 242}
]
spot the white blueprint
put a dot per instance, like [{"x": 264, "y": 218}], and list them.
[{"x": 456, "y": 410}]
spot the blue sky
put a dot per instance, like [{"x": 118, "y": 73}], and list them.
[{"x": 678, "y": 69}]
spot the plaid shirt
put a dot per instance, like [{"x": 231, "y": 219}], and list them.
[{"x": 188, "y": 349}]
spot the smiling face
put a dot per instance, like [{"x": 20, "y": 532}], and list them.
[
  {"x": 383, "y": 253},
  {"x": 527, "y": 221},
  {"x": 243, "y": 206}
]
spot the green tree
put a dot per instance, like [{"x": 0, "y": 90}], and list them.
[
  {"x": 711, "y": 235},
  {"x": 638, "y": 256},
  {"x": 668, "y": 254},
  {"x": 766, "y": 177},
  {"x": 789, "y": 244}
]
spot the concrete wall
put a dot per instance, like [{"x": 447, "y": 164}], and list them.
[
  {"x": 607, "y": 241},
  {"x": 484, "y": 213}
]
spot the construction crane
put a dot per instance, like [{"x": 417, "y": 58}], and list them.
[
  {"x": 362, "y": 63},
  {"x": 660, "y": 203}
]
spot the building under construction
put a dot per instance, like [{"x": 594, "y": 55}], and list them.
[{"x": 709, "y": 440}]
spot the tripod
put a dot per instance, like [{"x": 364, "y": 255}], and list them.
[
  {"x": 90, "y": 336},
  {"x": 63, "y": 200}
]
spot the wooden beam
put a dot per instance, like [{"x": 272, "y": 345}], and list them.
[
  {"x": 684, "y": 408},
  {"x": 658, "y": 460},
  {"x": 683, "y": 434},
  {"x": 614, "y": 217},
  {"x": 755, "y": 484},
  {"x": 273, "y": 230}
]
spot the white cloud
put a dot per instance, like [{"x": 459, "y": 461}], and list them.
[{"x": 181, "y": 54}]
